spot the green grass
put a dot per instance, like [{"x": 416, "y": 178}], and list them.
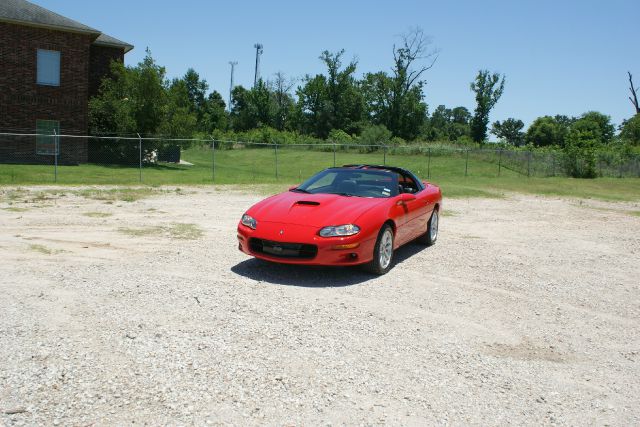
[
  {"x": 178, "y": 231},
  {"x": 14, "y": 209},
  {"x": 97, "y": 214},
  {"x": 117, "y": 194},
  {"x": 44, "y": 250},
  {"x": 255, "y": 170}
]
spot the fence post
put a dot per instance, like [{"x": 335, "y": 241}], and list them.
[
  {"x": 334, "y": 154},
  {"x": 466, "y": 163},
  {"x": 499, "y": 161},
  {"x": 213, "y": 160},
  {"x": 384, "y": 159},
  {"x": 620, "y": 169},
  {"x": 429, "y": 163},
  {"x": 56, "y": 148},
  {"x": 529, "y": 164},
  {"x": 276, "y": 148},
  {"x": 600, "y": 165},
  {"x": 553, "y": 164},
  {"x": 140, "y": 157}
]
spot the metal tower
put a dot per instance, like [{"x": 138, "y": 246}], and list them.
[
  {"x": 259, "y": 50},
  {"x": 233, "y": 67}
]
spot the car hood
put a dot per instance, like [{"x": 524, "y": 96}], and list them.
[{"x": 317, "y": 210}]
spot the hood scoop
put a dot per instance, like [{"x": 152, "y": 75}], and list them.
[{"x": 307, "y": 203}]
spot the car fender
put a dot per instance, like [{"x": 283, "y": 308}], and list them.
[{"x": 372, "y": 221}]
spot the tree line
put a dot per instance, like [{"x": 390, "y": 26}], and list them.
[{"x": 381, "y": 107}]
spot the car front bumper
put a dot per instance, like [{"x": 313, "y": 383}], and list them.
[{"x": 277, "y": 242}]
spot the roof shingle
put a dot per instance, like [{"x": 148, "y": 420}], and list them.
[
  {"x": 27, "y": 13},
  {"x": 22, "y": 11},
  {"x": 107, "y": 40}
]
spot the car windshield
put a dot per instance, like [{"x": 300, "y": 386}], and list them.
[{"x": 352, "y": 182}]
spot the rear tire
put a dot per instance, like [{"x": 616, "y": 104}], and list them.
[
  {"x": 382, "y": 252},
  {"x": 429, "y": 238}
]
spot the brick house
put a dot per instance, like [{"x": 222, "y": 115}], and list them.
[{"x": 49, "y": 68}]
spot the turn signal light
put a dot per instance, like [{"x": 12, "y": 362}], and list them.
[{"x": 349, "y": 246}]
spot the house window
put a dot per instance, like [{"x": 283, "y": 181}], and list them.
[
  {"x": 48, "y": 67},
  {"x": 47, "y": 141}
]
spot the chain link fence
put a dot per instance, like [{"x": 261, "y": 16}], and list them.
[{"x": 77, "y": 159}]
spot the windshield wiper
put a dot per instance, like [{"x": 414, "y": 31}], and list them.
[{"x": 300, "y": 190}]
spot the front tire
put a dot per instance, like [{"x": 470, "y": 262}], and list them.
[
  {"x": 382, "y": 252},
  {"x": 429, "y": 238}
]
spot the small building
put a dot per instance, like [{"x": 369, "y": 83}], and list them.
[{"x": 50, "y": 66}]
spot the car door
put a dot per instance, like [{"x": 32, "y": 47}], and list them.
[
  {"x": 417, "y": 210},
  {"x": 400, "y": 215},
  {"x": 425, "y": 205}
]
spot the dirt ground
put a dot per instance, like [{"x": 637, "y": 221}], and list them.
[{"x": 526, "y": 311}]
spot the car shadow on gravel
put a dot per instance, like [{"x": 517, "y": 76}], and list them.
[{"x": 314, "y": 276}]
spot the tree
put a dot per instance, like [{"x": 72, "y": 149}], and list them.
[
  {"x": 310, "y": 108},
  {"x": 447, "y": 124},
  {"x": 180, "y": 120},
  {"x": 377, "y": 89},
  {"x": 564, "y": 121},
  {"x": 396, "y": 101},
  {"x": 333, "y": 101},
  {"x": 133, "y": 100},
  {"x": 630, "y": 130},
  {"x": 488, "y": 89},
  {"x": 215, "y": 116},
  {"x": 344, "y": 102},
  {"x": 580, "y": 150},
  {"x": 461, "y": 115},
  {"x": 281, "y": 88},
  {"x": 196, "y": 91},
  {"x": 240, "y": 116},
  {"x": 547, "y": 131},
  {"x": 634, "y": 97},
  {"x": 253, "y": 108},
  {"x": 599, "y": 123},
  {"x": 262, "y": 104},
  {"x": 438, "y": 126},
  {"x": 112, "y": 110},
  {"x": 509, "y": 131},
  {"x": 149, "y": 95}
]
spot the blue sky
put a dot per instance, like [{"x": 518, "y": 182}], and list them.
[{"x": 559, "y": 57}]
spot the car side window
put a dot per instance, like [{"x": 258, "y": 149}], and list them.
[{"x": 407, "y": 184}]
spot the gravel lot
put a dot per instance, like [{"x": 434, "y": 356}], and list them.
[{"x": 526, "y": 311}]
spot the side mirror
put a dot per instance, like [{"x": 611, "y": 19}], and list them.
[{"x": 407, "y": 197}]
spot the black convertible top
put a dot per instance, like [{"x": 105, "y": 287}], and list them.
[
  {"x": 388, "y": 168},
  {"x": 383, "y": 167}
]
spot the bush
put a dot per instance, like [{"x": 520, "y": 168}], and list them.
[
  {"x": 338, "y": 136},
  {"x": 372, "y": 136},
  {"x": 580, "y": 153}
]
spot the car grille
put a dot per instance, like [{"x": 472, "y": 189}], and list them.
[{"x": 283, "y": 250}]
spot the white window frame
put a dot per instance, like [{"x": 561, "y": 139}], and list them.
[{"x": 48, "y": 58}]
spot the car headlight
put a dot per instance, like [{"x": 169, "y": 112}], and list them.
[
  {"x": 340, "y": 230},
  {"x": 249, "y": 221}
]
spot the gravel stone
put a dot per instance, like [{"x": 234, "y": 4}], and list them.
[{"x": 526, "y": 311}]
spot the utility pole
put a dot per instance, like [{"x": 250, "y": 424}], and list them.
[
  {"x": 233, "y": 67},
  {"x": 259, "y": 49}
]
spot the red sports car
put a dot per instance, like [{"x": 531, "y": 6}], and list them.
[{"x": 350, "y": 215}]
